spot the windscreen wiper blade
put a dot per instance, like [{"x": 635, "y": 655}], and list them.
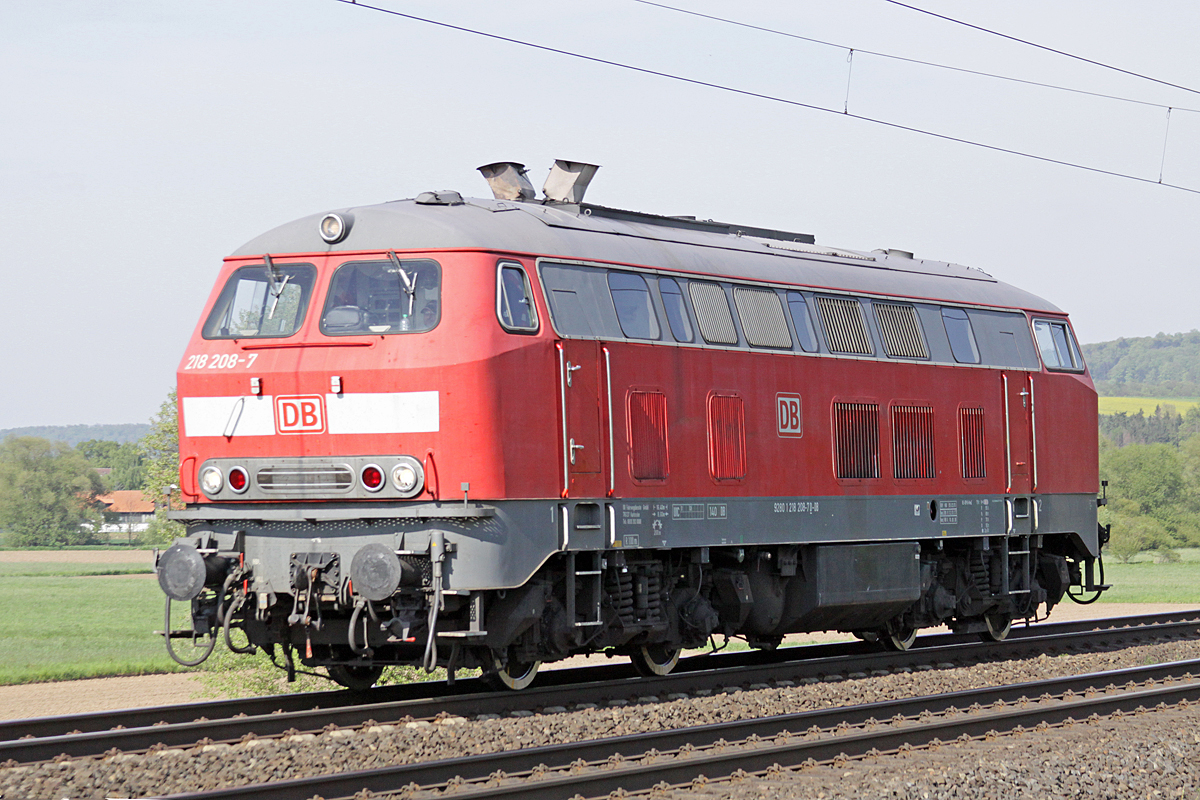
[{"x": 276, "y": 287}]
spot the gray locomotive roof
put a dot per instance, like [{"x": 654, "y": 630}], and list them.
[{"x": 579, "y": 233}]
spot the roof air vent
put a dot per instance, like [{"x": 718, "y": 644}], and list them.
[
  {"x": 568, "y": 180},
  {"x": 508, "y": 181},
  {"x": 899, "y": 253},
  {"x": 442, "y": 198}
]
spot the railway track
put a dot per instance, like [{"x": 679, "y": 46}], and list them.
[
  {"x": 229, "y": 721},
  {"x": 677, "y": 757}
]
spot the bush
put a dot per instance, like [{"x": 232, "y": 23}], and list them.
[
  {"x": 1124, "y": 544},
  {"x": 160, "y": 530},
  {"x": 1132, "y": 535}
]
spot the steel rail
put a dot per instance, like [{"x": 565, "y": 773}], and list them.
[
  {"x": 305, "y": 701},
  {"x": 695, "y": 676},
  {"x": 741, "y": 751}
]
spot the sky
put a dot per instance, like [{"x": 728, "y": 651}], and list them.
[{"x": 142, "y": 141}]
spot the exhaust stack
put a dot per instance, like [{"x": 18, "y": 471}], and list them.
[
  {"x": 568, "y": 181},
  {"x": 508, "y": 181}
]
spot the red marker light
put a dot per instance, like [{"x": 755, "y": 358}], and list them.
[
  {"x": 238, "y": 479},
  {"x": 372, "y": 478}
]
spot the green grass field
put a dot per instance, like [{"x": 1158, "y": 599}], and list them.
[
  {"x": 1131, "y": 405},
  {"x": 1144, "y": 581},
  {"x": 58, "y": 628}
]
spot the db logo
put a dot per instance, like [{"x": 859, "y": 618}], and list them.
[
  {"x": 300, "y": 414},
  {"x": 788, "y": 416}
]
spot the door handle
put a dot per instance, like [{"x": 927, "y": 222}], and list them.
[
  {"x": 571, "y": 368},
  {"x": 574, "y": 447}
]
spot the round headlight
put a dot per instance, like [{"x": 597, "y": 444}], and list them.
[
  {"x": 405, "y": 477},
  {"x": 238, "y": 479},
  {"x": 211, "y": 480},
  {"x": 335, "y": 227},
  {"x": 408, "y": 477},
  {"x": 372, "y": 478}
]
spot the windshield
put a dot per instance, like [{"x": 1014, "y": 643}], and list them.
[
  {"x": 261, "y": 302},
  {"x": 393, "y": 296}
]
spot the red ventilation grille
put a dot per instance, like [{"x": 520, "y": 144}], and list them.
[
  {"x": 648, "y": 436},
  {"x": 970, "y": 425},
  {"x": 856, "y": 444},
  {"x": 726, "y": 437},
  {"x": 912, "y": 442}
]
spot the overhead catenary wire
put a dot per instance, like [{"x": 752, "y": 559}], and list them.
[
  {"x": 917, "y": 61},
  {"x": 763, "y": 96},
  {"x": 1043, "y": 47}
]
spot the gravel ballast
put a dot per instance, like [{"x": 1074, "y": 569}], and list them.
[
  {"x": 1007, "y": 761},
  {"x": 1152, "y": 755}
]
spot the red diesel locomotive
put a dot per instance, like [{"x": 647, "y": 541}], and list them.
[{"x": 496, "y": 433}]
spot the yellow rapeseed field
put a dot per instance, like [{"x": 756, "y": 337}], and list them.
[{"x": 1131, "y": 405}]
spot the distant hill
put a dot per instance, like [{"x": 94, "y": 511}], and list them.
[
  {"x": 74, "y": 434},
  {"x": 1166, "y": 365}
]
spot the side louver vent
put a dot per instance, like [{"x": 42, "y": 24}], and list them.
[
  {"x": 856, "y": 440},
  {"x": 647, "y": 414},
  {"x": 762, "y": 317},
  {"x": 726, "y": 437},
  {"x": 912, "y": 442},
  {"x": 712, "y": 312},
  {"x": 901, "y": 330},
  {"x": 970, "y": 425},
  {"x": 845, "y": 326}
]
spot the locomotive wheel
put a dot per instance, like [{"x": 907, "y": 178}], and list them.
[
  {"x": 356, "y": 679},
  {"x": 998, "y": 626},
  {"x": 900, "y": 640},
  {"x": 513, "y": 675},
  {"x": 655, "y": 659}
]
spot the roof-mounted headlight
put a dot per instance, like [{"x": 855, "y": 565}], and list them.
[
  {"x": 408, "y": 477},
  {"x": 335, "y": 227}
]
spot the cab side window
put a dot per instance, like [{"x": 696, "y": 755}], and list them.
[
  {"x": 1057, "y": 345},
  {"x": 514, "y": 299}
]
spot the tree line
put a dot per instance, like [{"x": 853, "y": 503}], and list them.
[
  {"x": 1166, "y": 365},
  {"x": 1164, "y": 426},
  {"x": 49, "y": 490},
  {"x": 1152, "y": 464}
]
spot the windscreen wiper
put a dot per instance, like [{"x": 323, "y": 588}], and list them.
[
  {"x": 276, "y": 287},
  {"x": 407, "y": 285}
]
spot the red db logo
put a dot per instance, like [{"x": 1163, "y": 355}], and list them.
[
  {"x": 300, "y": 414},
  {"x": 788, "y": 415}
]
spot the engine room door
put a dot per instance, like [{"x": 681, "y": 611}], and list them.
[
  {"x": 581, "y": 387},
  {"x": 1018, "y": 431}
]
